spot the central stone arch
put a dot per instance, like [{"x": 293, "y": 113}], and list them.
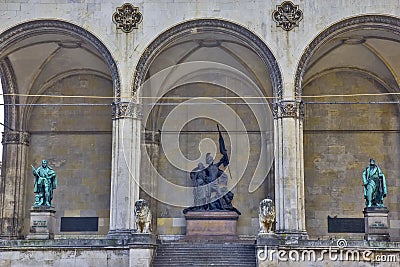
[{"x": 222, "y": 43}]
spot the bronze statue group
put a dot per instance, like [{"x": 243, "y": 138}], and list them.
[{"x": 210, "y": 184}]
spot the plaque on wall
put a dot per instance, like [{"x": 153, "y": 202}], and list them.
[
  {"x": 79, "y": 224},
  {"x": 346, "y": 225}
]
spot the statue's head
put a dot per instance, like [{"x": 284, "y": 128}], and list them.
[
  {"x": 209, "y": 158},
  {"x": 200, "y": 166},
  {"x": 44, "y": 163},
  {"x": 372, "y": 162}
]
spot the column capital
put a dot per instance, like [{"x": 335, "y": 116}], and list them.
[
  {"x": 122, "y": 110},
  {"x": 288, "y": 109},
  {"x": 16, "y": 137}
]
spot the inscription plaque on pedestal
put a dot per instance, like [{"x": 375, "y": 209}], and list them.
[{"x": 42, "y": 223}]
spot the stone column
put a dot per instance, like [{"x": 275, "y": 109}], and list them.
[
  {"x": 12, "y": 183},
  {"x": 289, "y": 169},
  {"x": 125, "y": 168}
]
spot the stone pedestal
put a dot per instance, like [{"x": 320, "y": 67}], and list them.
[
  {"x": 376, "y": 224},
  {"x": 217, "y": 225},
  {"x": 42, "y": 223},
  {"x": 268, "y": 239}
]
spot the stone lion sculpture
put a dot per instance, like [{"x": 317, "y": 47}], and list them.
[
  {"x": 266, "y": 216},
  {"x": 143, "y": 216}
]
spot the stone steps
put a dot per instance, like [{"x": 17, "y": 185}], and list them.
[{"x": 205, "y": 254}]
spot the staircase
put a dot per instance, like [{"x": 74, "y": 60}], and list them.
[{"x": 205, "y": 254}]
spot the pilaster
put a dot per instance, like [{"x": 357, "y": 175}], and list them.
[
  {"x": 125, "y": 168},
  {"x": 12, "y": 183},
  {"x": 289, "y": 173},
  {"x": 148, "y": 181}
]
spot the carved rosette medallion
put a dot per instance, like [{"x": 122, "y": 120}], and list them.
[
  {"x": 127, "y": 17},
  {"x": 126, "y": 110},
  {"x": 287, "y": 15},
  {"x": 288, "y": 109},
  {"x": 16, "y": 137}
]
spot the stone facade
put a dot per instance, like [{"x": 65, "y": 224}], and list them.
[{"x": 316, "y": 97}]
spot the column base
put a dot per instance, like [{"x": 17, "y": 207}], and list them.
[
  {"x": 141, "y": 239},
  {"x": 376, "y": 224},
  {"x": 141, "y": 256},
  {"x": 268, "y": 239},
  {"x": 292, "y": 235},
  {"x": 120, "y": 233},
  {"x": 131, "y": 237},
  {"x": 42, "y": 223}
]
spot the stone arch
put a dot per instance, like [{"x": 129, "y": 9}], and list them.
[
  {"x": 376, "y": 21},
  {"x": 26, "y": 29},
  {"x": 204, "y": 25},
  {"x": 215, "y": 33}
]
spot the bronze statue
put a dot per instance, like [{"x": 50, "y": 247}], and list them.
[
  {"x": 374, "y": 185},
  {"x": 200, "y": 190},
  {"x": 211, "y": 179},
  {"x": 45, "y": 183}
]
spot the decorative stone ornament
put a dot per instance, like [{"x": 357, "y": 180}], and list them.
[
  {"x": 288, "y": 109},
  {"x": 127, "y": 17},
  {"x": 126, "y": 110},
  {"x": 287, "y": 15},
  {"x": 16, "y": 137}
]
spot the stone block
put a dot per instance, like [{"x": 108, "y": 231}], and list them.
[
  {"x": 221, "y": 225},
  {"x": 140, "y": 257}
]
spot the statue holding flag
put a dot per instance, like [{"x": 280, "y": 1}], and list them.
[{"x": 213, "y": 183}]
